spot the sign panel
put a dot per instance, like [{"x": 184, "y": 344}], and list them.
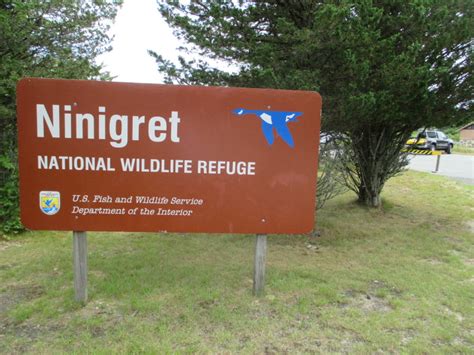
[{"x": 103, "y": 156}]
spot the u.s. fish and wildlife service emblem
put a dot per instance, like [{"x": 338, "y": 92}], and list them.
[{"x": 50, "y": 202}]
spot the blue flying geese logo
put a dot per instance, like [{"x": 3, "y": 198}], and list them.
[{"x": 273, "y": 120}]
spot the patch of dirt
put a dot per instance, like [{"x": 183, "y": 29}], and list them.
[
  {"x": 459, "y": 317},
  {"x": 271, "y": 349},
  {"x": 470, "y": 226},
  {"x": 108, "y": 312},
  {"x": 260, "y": 311},
  {"x": 206, "y": 304},
  {"x": 347, "y": 344},
  {"x": 376, "y": 285},
  {"x": 96, "y": 308},
  {"x": 453, "y": 240},
  {"x": 460, "y": 254},
  {"x": 459, "y": 341},
  {"x": 369, "y": 303},
  {"x": 311, "y": 248},
  {"x": 433, "y": 261},
  {"x": 407, "y": 336},
  {"x": 15, "y": 294},
  {"x": 462, "y": 342},
  {"x": 27, "y": 333},
  {"x": 344, "y": 343},
  {"x": 9, "y": 298},
  {"x": 7, "y": 245},
  {"x": 7, "y": 266}
]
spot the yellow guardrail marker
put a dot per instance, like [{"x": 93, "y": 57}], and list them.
[
  {"x": 421, "y": 152},
  {"x": 425, "y": 152}
]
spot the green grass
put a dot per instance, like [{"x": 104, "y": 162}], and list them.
[
  {"x": 463, "y": 150},
  {"x": 396, "y": 280}
]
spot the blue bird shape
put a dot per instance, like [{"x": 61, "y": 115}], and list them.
[
  {"x": 48, "y": 202},
  {"x": 273, "y": 120}
]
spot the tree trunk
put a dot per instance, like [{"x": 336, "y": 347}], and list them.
[
  {"x": 362, "y": 194},
  {"x": 375, "y": 201},
  {"x": 369, "y": 198},
  {"x": 370, "y": 160}
]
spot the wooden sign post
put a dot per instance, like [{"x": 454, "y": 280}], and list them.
[
  {"x": 80, "y": 266},
  {"x": 105, "y": 156},
  {"x": 259, "y": 264}
]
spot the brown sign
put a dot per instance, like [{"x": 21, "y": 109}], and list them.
[{"x": 109, "y": 156}]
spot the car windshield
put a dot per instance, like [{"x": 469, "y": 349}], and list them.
[{"x": 432, "y": 134}]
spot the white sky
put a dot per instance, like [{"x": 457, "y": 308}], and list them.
[{"x": 139, "y": 27}]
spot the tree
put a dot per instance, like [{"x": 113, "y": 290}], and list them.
[
  {"x": 384, "y": 68},
  {"x": 330, "y": 170},
  {"x": 54, "y": 39}
]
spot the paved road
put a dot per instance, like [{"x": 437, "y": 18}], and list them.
[{"x": 460, "y": 167}]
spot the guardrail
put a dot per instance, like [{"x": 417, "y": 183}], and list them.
[
  {"x": 421, "y": 151},
  {"x": 425, "y": 152}
]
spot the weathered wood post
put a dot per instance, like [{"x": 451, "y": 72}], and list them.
[
  {"x": 80, "y": 266},
  {"x": 259, "y": 265}
]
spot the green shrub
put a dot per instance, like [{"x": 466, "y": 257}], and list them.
[
  {"x": 9, "y": 197},
  {"x": 452, "y": 132}
]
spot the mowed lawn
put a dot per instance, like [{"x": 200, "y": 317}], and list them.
[{"x": 397, "y": 280}]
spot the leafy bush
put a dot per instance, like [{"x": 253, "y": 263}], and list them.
[
  {"x": 9, "y": 197},
  {"x": 453, "y": 133},
  {"x": 330, "y": 171},
  {"x": 50, "y": 39}
]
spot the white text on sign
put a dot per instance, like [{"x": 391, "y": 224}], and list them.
[{"x": 118, "y": 125}]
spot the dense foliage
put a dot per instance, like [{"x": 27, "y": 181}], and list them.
[
  {"x": 330, "y": 170},
  {"x": 54, "y": 39},
  {"x": 384, "y": 68}
]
